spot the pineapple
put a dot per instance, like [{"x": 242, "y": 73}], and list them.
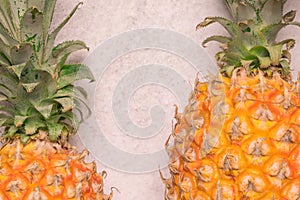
[
  {"x": 40, "y": 107},
  {"x": 239, "y": 136}
]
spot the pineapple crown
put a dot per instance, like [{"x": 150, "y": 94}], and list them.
[
  {"x": 251, "y": 43},
  {"x": 38, "y": 98}
]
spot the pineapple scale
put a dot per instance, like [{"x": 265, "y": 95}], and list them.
[
  {"x": 42, "y": 170},
  {"x": 257, "y": 152}
]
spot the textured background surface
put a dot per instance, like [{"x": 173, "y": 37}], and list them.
[{"x": 98, "y": 20}]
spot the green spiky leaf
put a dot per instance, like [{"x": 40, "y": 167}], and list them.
[
  {"x": 36, "y": 85},
  {"x": 32, "y": 124},
  {"x": 4, "y": 118},
  {"x": 267, "y": 11},
  {"x": 52, "y": 36},
  {"x": 21, "y": 53},
  {"x": 29, "y": 87},
  {"x": 7, "y": 110},
  {"x": 271, "y": 31},
  {"x": 71, "y": 73},
  {"x": 289, "y": 17},
  {"x": 275, "y": 54},
  {"x": 3, "y": 97},
  {"x": 18, "y": 69},
  {"x": 259, "y": 51},
  {"x": 232, "y": 28},
  {"x": 19, "y": 120},
  {"x": 31, "y": 26},
  {"x": 67, "y": 103},
  {"x": 49, "y": 7},
  {"x": 10, "y": 133},
  {"x": 8, "y": 18},
  {"x": 24, "y": 138},
  {"x": 285, "y": 66},
  {"x": 55, "y": 131},
  {"x": 228, "y": 70},
  {"x": 217, "y": 38},
  {"x": 67, "y": 47},
  {"x": 6, "y": 91},
  {"x": 44, "y": 108},
  {"x": 253, "y": 34}
]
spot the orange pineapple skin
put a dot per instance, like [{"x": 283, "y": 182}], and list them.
[
  {"x": 257, "y": 151},
  {"x": 42, "y": 170}
]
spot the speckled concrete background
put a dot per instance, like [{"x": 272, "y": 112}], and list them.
[{"x": 98, "y": 20}]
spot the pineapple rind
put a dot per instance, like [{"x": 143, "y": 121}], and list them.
[
  {"x": 258, "y": 147},
  {"x": 44, "y": 170}
]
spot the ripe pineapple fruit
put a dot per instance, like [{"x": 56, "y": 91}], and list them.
[
  {"x": 40, "y": 107},
  {"x": 239, "y": 136}
]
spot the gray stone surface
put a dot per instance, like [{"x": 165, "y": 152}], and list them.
[{"x": 96, "y": 22}]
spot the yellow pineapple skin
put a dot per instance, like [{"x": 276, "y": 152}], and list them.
[
  {"x": 256, "y": 154},
  {"x": 42, "y": 170}
]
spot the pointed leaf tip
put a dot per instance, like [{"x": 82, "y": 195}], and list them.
[
  {"x": 71, "y": 73},
  {"x": 290, "y": 16},
  {"x": 230, "y": 26},
  {"x": 217, "y": 38},
  {"x": 52, "y": 36}
]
